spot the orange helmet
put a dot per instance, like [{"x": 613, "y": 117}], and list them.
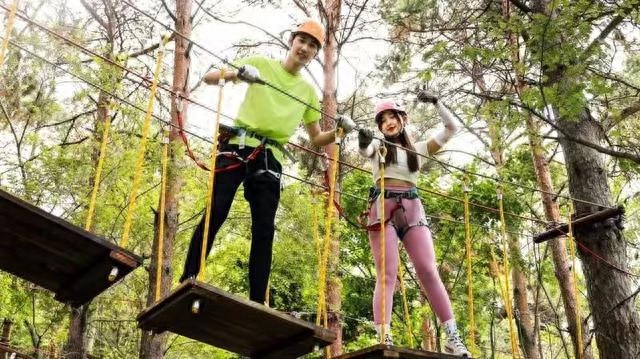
[{"x": 312, "y": 28}]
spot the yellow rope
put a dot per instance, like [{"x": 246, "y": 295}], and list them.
[
  {"x": 327, "y": 230},
  {"x": 405, "y": 305},
  {"x": 161, "y": 211},
  {"x": 467, "y": 233},
  {"x": 212, "y": 176},
  {"x": 383, "y": 259},
  {"x": 316, "y": 231},
  {"x": 7, "y": 31},
  {"x": 316, "y": 236},
  {"x": 505, "y": 259},
  {"x": 98, "y": 175},
  {"x": 572, "y": 250},
  {"x": 142, "y": 149}
]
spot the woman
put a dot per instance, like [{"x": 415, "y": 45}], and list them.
[{"x": 405, "y": 219}]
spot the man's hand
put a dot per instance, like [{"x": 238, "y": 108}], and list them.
[
  {"x": 425, "y": 96},
  {"x": 365, "y": 136},
  {"x": 345, "y": 122},
  {"x": 249, "y": 74}
]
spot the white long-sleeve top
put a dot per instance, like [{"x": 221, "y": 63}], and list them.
[{"x": 400, "y": 169}]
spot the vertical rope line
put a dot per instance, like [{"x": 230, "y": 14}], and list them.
[
  {"x": 572, "y": 250},
  {"x": 327, "y": 230},
  {"x": 211, "y": 179},
  {"x": 142, "y": 148},
  {"x": 161, "y": 211},
  {"x": 383, "y": 259},
  {"x": 405, "y": 306},
  {"x": 507, "y": 270},
  {"x": 467, "y": 233}
]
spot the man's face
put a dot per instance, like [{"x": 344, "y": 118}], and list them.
[{"x": 303, "y": 48}]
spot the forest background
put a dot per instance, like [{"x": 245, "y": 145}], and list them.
[{"x": 546, "y": 92}]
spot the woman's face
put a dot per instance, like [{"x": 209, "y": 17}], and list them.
[{"x": 390, "y": 124}]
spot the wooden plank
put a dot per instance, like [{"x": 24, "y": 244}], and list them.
[
  {"x": 382, "y": 351},
  {"x": 578, "y": 224},
  {"x": 233, "y": 323},
  {"x": 41, "y": 248},
  {"x": 8, "y": 350}
]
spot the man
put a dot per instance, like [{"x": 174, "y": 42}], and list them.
[{"x": 269, "y": 117}]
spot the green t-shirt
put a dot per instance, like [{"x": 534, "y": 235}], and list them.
[{"x": 270, "y": 113}]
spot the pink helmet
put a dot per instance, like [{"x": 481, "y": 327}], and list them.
[{"x": 385, "y": 105}]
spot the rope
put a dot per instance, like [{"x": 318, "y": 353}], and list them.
[
  {"x": 168, "y": 123},
  {"x": 467, "y": 233},
  {"x": 383, "y": 224},
  {"x": 161, "y": 211},
  {"x": 225, "y": 61},
  {"x": 211, "y": 179},
  {"x": 572, "y": 251},
  {"x": 405, "y": 305},
  {"x": 222, "y": 59},
  {"x": 98, "y": 175},
  {"x": 327, "y": 229},
  {"x": 505, "y": 259},
  {"x": 229, "y": 117},
  {"x": 142, "y": 149},
  {"x": 7, "y": 31},
  {"x": 583, "y": 247}
]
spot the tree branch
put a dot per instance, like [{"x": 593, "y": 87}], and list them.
[
  {"x": 172, "y": 15},
  {"x": 607, "y": 30}
]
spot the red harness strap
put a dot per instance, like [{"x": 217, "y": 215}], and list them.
[
  {"x": 223, "y": 137},
  {"x": 376, "y": 227}
]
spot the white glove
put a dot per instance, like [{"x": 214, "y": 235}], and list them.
[
  {"x": 345, "y": 122},
  {"x": 249, "y": 74}
]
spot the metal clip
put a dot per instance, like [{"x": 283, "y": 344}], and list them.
[
  {"x": 242, "y": 137},
  {"x": 382, "y": 151}
]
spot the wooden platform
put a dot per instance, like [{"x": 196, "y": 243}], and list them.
[
  {"x": 7, "y": 351},
  {"x": 381, "y": 351},
  {"x": 56, "y": 255},
  {"x": 232, "y": 323},
  {"x": 580, "y": 223}
]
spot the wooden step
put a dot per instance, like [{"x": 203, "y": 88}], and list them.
[{"x": 233, "y": 323}]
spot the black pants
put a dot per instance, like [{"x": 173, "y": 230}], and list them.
[{"x": 262, "y": 191}]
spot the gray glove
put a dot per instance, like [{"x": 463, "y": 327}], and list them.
[
  {"x": 425, "y": 96},
  {"x": 345, "y": 122},
  {"x": 365, "y": 136},
  {"x": 249, "y": 74}
]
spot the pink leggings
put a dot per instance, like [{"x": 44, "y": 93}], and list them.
[{"x": 419, "y": 246}]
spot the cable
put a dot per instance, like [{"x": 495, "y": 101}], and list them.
[
  {"x": 177, "y": 94},
  {"x": 168, "y": 123},
  {"x": 225, "y": 61},
  {"x": 498, "y": 180}
]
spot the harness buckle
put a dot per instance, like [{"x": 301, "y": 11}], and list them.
[{"x": 242, "y": 136}]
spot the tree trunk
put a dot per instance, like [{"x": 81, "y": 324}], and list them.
[
  {"x": 152, "y": 346},
  {"x": 330, "y": 108},
  {"x": 601, "y": 247},
  {"x": 331, "y": 13},
  {"x": 522, "y": 314},
  {"x": 5, "y": 336},
  {"x": 615, "y": 319},
  {"x": 75, "y": 346},
  {"x": 558, "y": 246},
  {"x": 525, "y": 321}
]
